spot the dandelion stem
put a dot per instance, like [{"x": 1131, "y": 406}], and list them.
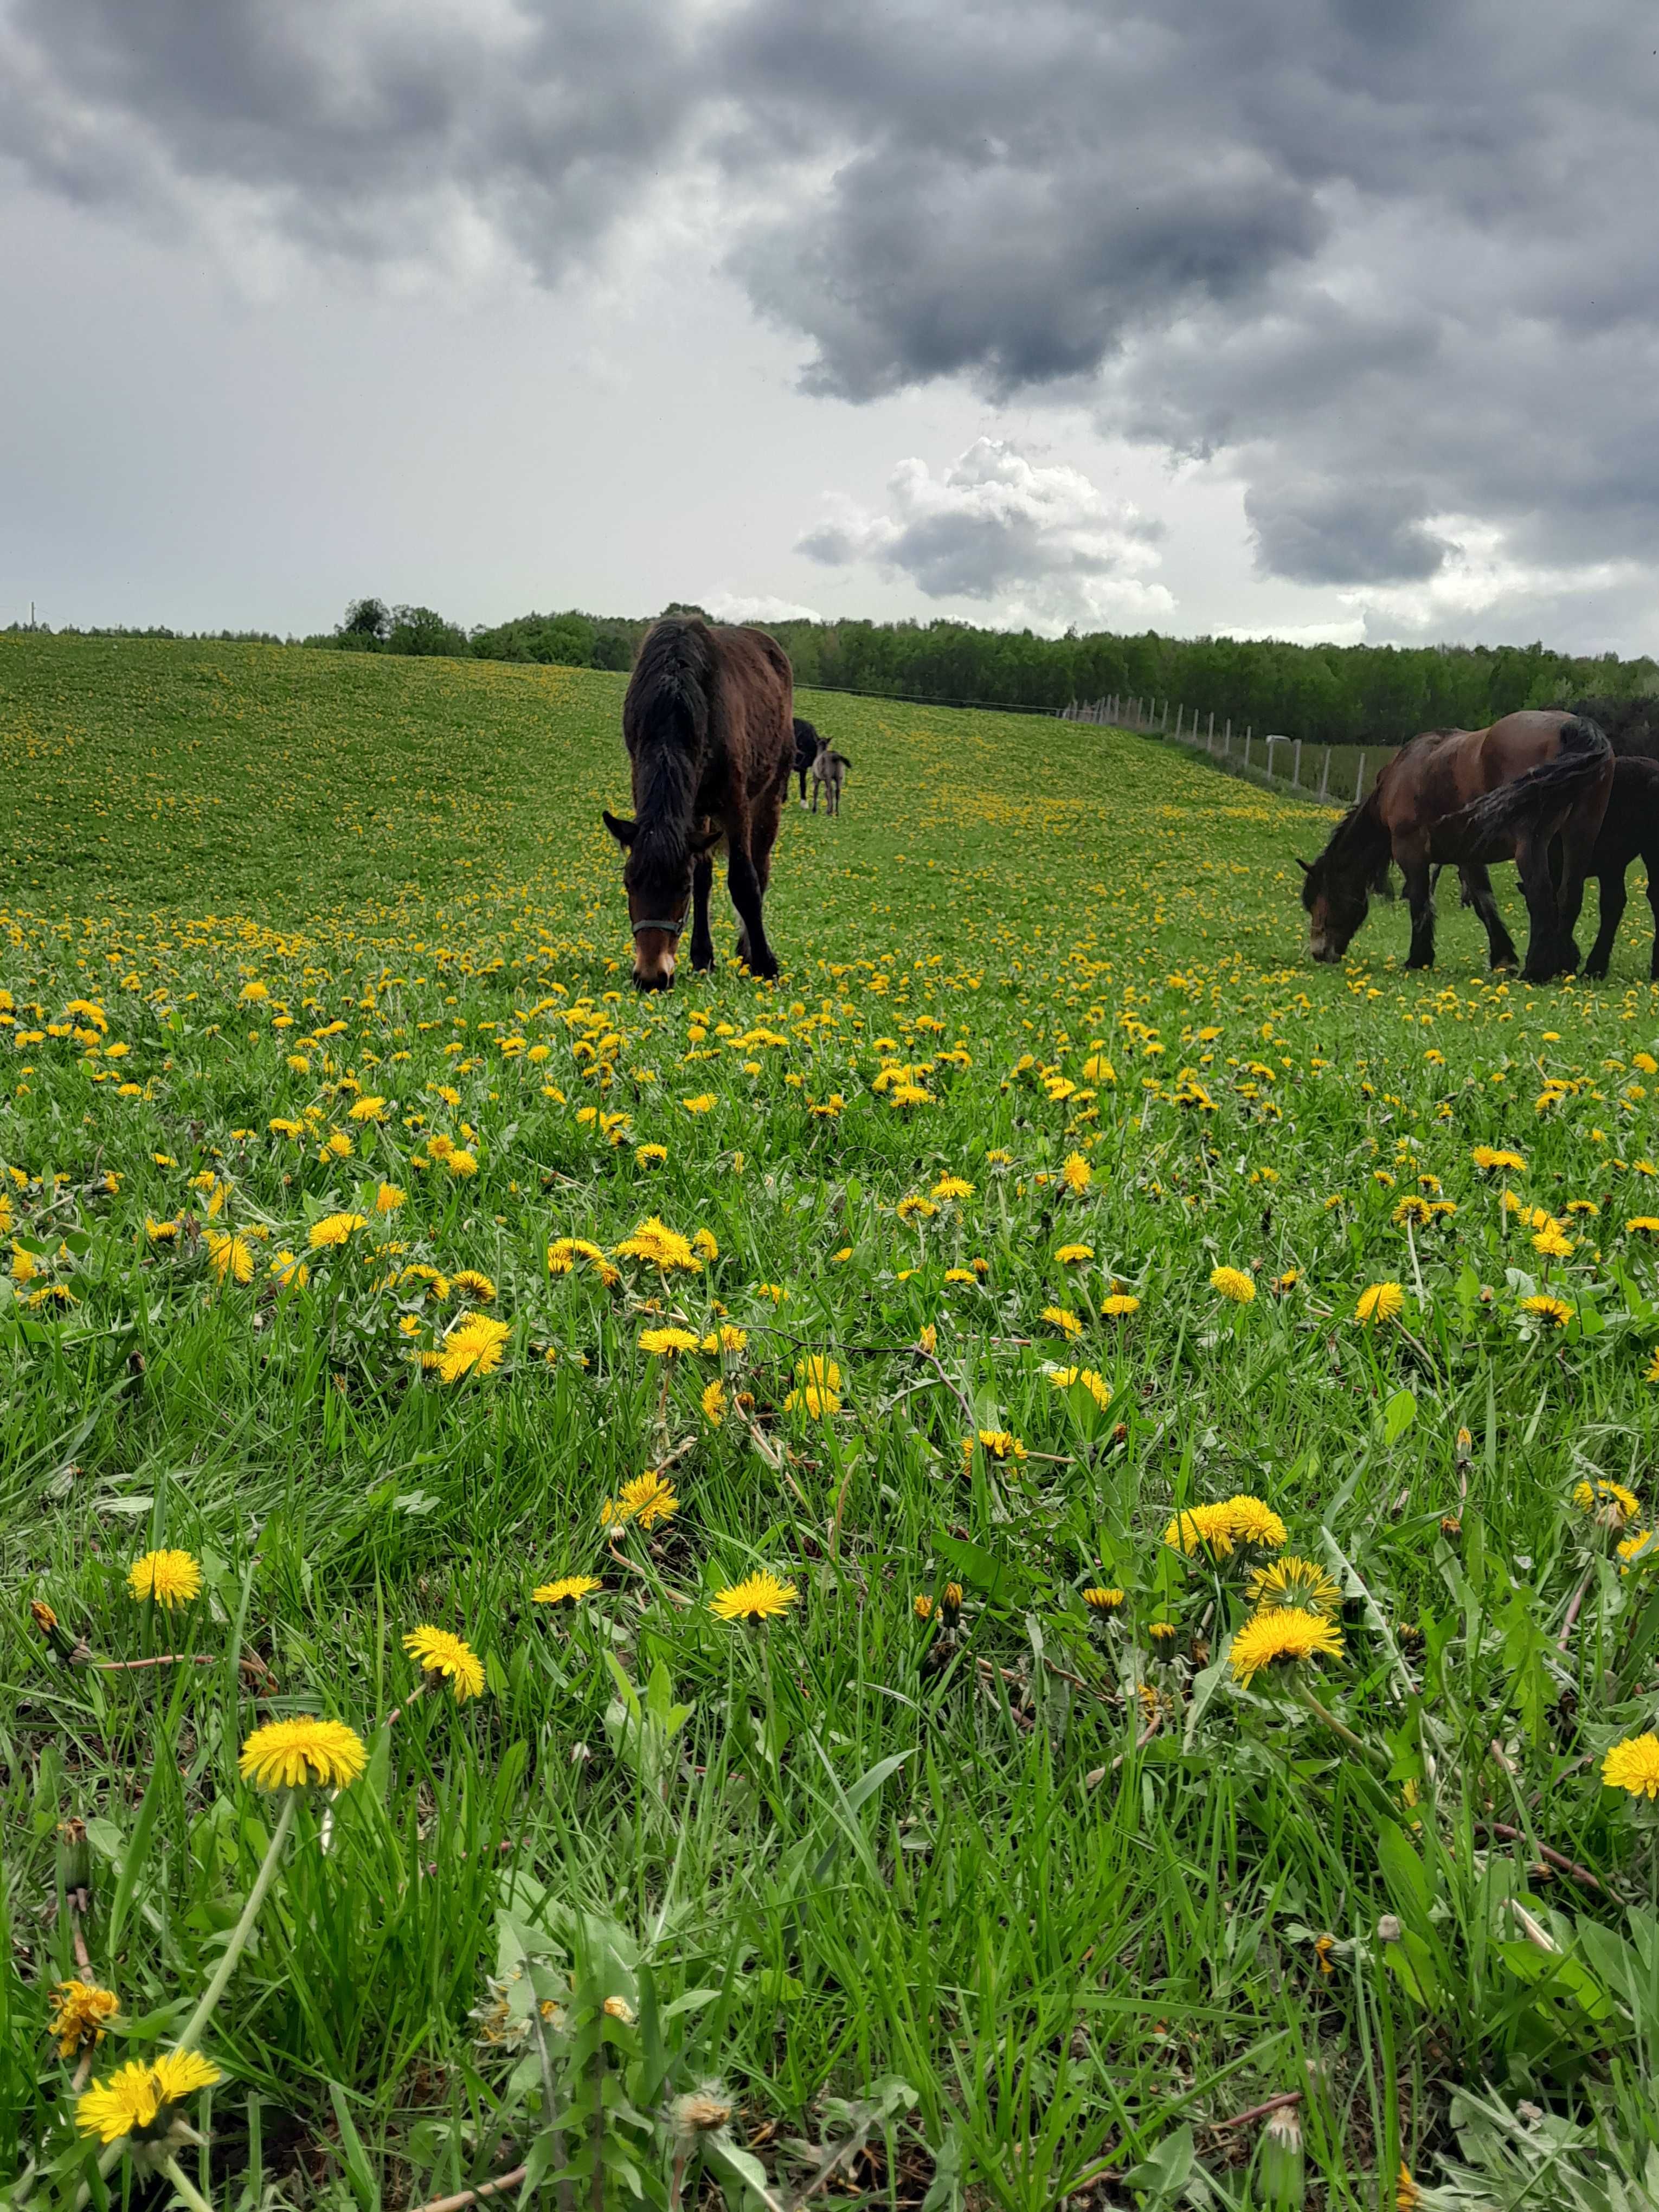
[
  {"x": 1306, "y": 1698},
  {"x": 239, "y": 1934},
  {"x": 186, "y": 2188}
]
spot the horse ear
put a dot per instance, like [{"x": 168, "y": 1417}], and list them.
[
  {"x": 1306, "y": 866},
  {"x": 621, "y": 831}
]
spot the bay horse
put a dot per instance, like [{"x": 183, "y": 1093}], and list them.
[
  {"x": 707, "y": 723},
  {"x": 1468, "y": 797},
  {"x": 808, "y": 746},
  {"x": 1630, "y": 832}
]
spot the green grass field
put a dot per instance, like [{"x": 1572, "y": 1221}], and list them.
[{"x": 1016, "y": 1238}]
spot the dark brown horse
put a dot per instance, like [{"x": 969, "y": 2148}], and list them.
[
  {"x": 707, "y": 723},
  {"x": 808, "y": 746},
  {"x": 1630, "y": 832},
  {"x": 1469, "y": 798}
]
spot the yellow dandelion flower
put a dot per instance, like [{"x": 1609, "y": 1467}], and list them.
[
  {"x": 646, "y": 1498},
  {"x": 1380, "y": 1301},
  {"x": 1645, "y": 1224},
  {"x": 713, "y": 1402},
  {"x": 1233, "y": 1283},
  {"x": 460, "y": 1163},
  {"x": 1634, "y": 1765},
  {"x": 1610, "y": 1503},
  {"x": 334, "y": 1229},
  {"x": 475, "y": 1284},
  {"x": 80, "y": 2012},
  {"x": 170, "y": 1577},
  {"x": 1201, "y": 1529},
  {"x": 1066, "y": 1323},
  {"x": 138, "y": 2096},
  {"x": 704, "y": 1102},
  {"x": 662, "y": 1247},
  {"x": 1282, "y": 1635},
  {"x": 568, "y": 1590},
  {"x": 1076, "y": 1174},
  {"x": 1641, "y": 1548},
  {"x": 814, "y": 1398},
  {"x": 665, "y": 1343},
  {"x": 160, "y": 1232},
  {"x": 367, "y": 1108},
  {"x": 757, "y": 1598},
  {"x": 230, "y": 1257},
  {"x": 998, "y": 1444},
  {"x": 1555, "y": 1310},
  {"x": 651, "y": 1156},
  {"x": 1100, "y": 1598},
  {"x": 296, "y": 1754},
  {"x": 475, "y": 1345},
  {"x": 1293, "y": 1581},
  {"x": 1072, "y": 1256},
  {"x": 1250, "y": 1521},
  {"x": 438, "y": 1652},
  {"x": 388, "y": 1198},
  {"x": 1119, "y": 1305},
  {"x": 291, "y": 1271},
  {"x": 704, "y": 1244},
  {"x": 951, "y": 1186}
]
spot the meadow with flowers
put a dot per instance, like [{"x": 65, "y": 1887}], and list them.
[{"x": 1016, "y": 1569}]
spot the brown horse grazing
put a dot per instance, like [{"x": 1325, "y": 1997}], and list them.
[
  {"x": 707, "y": 723},
  {"x": 1630, "y": 832},
  {"x": 1469, "y": 798}
]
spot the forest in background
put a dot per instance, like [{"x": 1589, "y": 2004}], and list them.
[{"x": 1363, "y": 694}]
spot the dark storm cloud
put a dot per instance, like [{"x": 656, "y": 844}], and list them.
[
  {"x": 348, "y": 129},
  {"x": 1389, "y": 265}
]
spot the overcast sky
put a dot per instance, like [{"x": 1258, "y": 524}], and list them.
[{"x": 1326, "y": 318}]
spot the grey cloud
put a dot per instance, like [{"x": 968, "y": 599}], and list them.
[
  {"x": 350, "y": 130},
  {"x": 1040, "y": 540},
  {"x": 1387, "y": 265},
  {"x": 1325, "y": 531}
]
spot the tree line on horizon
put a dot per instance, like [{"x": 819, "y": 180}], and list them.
[{"x": 1364, "y": 695}]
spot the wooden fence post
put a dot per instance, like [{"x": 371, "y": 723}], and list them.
[
  {"x": 1247, "y": 748},
  {"x": 1325, "y": 774},
  {"x": 1296, "y": 766},
  {"x": 1212, "y": 726},
  {"x": 1360, "y": 781}
]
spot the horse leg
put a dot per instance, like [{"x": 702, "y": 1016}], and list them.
[
  {"x": 1612, "y": 903},
  {"x": 1578, "y": 850},
  {"x": 1478, "y": 893},
  {"x": 1414, "y": 868},
  {"x": 1653, "y": 901},
  {"x": 703, "y": 942},
  {"x": 1532, "y": 865},
  {"x": 748, "y": 872}
]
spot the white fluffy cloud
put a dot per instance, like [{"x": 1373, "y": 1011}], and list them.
[{"x": 1040, "y": 544}]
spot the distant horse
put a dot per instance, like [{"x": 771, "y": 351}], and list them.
[
  {"x": 829, "y": 774},
  {"x": 808, "y": 746},
  {"x": 1469, "y": 798},
  {"x": 1630, "y": 832},
  {"x": 706, "y": 720}
]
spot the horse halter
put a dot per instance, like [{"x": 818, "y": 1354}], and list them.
[{"x": 668, "y": 928}]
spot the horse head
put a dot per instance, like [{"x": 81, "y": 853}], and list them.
[
  {"x": 657, "y": 877},
  {"x": 1337, "y": 899}
]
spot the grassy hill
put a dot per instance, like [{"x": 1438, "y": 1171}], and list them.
[{"x": 1012, "y": 1254}]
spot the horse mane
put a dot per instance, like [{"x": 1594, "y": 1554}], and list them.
[{"x": 665, "y": 728}]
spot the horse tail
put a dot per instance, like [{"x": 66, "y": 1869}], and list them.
[{"x": 1523, "y": 803}]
